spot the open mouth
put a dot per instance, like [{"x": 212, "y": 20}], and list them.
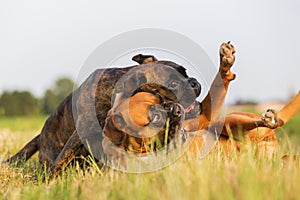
[
  {"x": 190, "y": 107},
  {"x": 172, "y": 135},
  {"x": 154, "y": 144}
]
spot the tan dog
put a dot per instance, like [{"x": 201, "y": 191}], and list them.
[{"x": 257, "y": 129}]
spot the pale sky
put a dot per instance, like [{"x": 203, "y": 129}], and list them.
[{"x": 42, "y": 40}]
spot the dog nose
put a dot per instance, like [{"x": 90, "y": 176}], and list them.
[{"x": 195, "y": 85}]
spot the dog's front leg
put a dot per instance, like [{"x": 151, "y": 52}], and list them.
[
  {"x": 67, "y": 154},
  {"x": 213, "y": 102},
  {"x": 236, "y": 123}
]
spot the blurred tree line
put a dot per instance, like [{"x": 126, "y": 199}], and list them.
[{"x": 20, "y": 103}]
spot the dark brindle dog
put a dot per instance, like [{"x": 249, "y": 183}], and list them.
[{"x": 85, "y": 110}]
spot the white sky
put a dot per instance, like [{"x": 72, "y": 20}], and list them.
[{"x": 42, "y": 40}]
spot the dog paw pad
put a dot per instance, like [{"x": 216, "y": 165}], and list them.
[
  {"x": 270, "y": 118},
  {"x": 227, "y": 51}
]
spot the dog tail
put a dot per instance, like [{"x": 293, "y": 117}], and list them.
[
  {"x": 291, "y": 109},
  {"x": 26, "y": 152}
]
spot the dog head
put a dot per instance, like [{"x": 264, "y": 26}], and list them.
[
  {"x": 144, "y": 121},
  {"x": 164, "y": 73},
  {"x": 144, "y": 59}
]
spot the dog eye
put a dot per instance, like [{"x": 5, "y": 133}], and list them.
[
  {"x": 119, "y": 121},
  {"x": 173, "y": 84}
]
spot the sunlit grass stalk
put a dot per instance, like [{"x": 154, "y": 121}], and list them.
[{"x": 167, "y": 131}]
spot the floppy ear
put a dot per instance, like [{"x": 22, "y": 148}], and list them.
[
  {"x": 113, "y": 128},
  {"x": 125, "y": 89},
  {"x": 181, "y": 70},
  {"x": 175, "y": 66},
  {"x": 134, "y": 82},
  {"x": 143, "y": 59}
]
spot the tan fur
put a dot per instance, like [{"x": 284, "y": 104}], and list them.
[{"x": 254, "y": 128}]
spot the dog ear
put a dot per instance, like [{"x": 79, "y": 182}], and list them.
[
  {"x": 127, "y": 86},
  {"x": 134, "y": 82},
  {"x": 143, "y": 59},
  {"x": 175, "y": 66},
  {"x": 181, "y": 70},
  {"x": 113, "y": 129}
]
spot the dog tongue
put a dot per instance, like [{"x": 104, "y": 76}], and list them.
[{"x": 190, "y": 107}]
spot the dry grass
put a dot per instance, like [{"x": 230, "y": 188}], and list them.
[{"x": 242, "y": 176}]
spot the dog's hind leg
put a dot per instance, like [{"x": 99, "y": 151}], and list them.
[
  {"x": 246, "y": 122},
  {"x": 240, "y": 122},
  {"x": 27, "y": 151},
  {"x": 269, "y": 119},
  {"x": 287, "y": 112},
  {"x": 291, "y": 109}
]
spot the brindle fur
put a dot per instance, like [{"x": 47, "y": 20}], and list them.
[{"x": 59, "y": 143}]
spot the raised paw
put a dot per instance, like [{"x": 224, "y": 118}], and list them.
[
  {"x": 270, "y": 118},
  {"x": 227, "y": 57}
]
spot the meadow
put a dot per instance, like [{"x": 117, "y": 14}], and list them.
[{"x": 240, "y": 176}]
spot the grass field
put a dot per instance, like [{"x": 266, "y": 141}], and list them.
[{"x": 242, "y": 176}]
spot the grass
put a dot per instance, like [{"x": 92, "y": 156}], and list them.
[
  {"x": 22, "y": 124},
  {"x": 242, "y": 176}
]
